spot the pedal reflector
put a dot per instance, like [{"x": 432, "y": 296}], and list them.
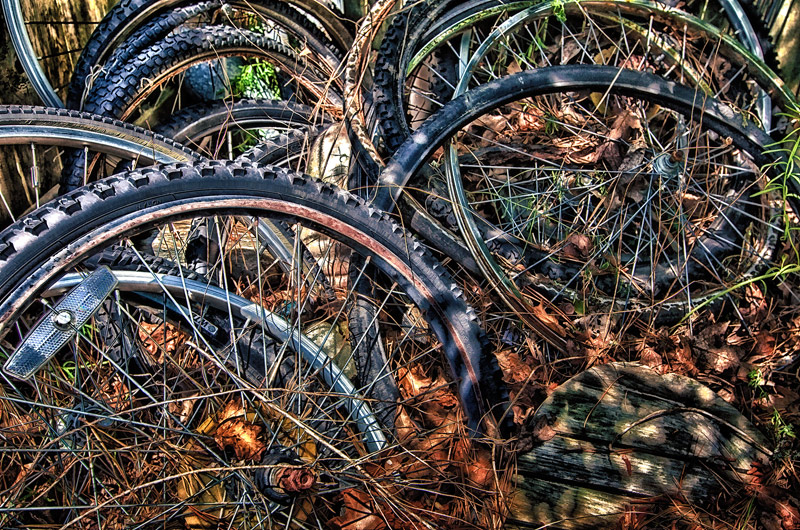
[{"x": 61, "y": 324}]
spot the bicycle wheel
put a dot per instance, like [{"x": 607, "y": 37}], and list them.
[
  {"x": 35, "y": 137},
  {"x": 617, "y": 192},
  {"x": 306, "y": 23},
  {"x": 161, "y": 411},
  {"x": 48, "y": 37},
  {"x": 119, "y": 94},
  {"x": 227, "y": 129},
  {"x": 49, "y": 60},
  {"x": 636, "y": 35},
  {"x": 153, "y": 83},
  {"x": 215, "y": 130}
]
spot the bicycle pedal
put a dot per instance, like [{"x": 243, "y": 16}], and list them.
[{"x": 61, "y": 324}]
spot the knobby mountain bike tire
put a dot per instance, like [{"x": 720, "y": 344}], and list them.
[
  {"x": 150, "y": 190},
  {"x": 201, "y": 120},
  {"x": 119, "y": 93},
  {"x": 21, "y": 124},
  {"x": 40, "y": 135},
  {"x": 227, "y": 129},
  {"x": 154, "y": 358},
  {"x": 214, "y": 129},
  {"x": 300, "y": 18}
]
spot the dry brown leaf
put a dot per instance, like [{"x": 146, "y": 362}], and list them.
[
  {"x": 569, "y": 49},
  {"x": 413, "y": 381},
  {"x": 541, "y": 314},
  {"x": 182, "y": 409},
  {"x": 515, "y": 368},
  {"x": 496, "y": 125},
  {"x": 158, "y": 338},
  {"x": 649, "y": 357},
  {"x": 115, "y": 394},
  {"x": 513, "y": 67},
  {"x": 680, "y": 357},
  {"x": 536, "y": 431},
  {"x": 243, "y": 437},
  {"x": 764, "y": 347},
  {"x": 634, "y": 517},
  {"x": 719, "y": 69},
  {"x": 232, "y": 409},
  {"x": 480, "y": 469},
  {"x": 784, "y": 508},
  {"x": 530, "y": 120},
  {"x": 577, "y": 246},
  {"x": 404, "y": 426},
  {"x": 609, "y": 151},
  {"x": 714, "y": 350},
  {"x": 754, "y": 307},
  {"x": 359, "y": 513},
  {"x": 24, "y": 471}
]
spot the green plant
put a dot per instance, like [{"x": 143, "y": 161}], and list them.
[
  {"x": 550, "y": 124},
  {"x": 780, "y": 427},
  {"x": 68, "y": 367},
  {"x": 755, "y": 380},
  {"x": 559, "y": 11},
  {"x": 257, "y": 79},
  {"x": 777, "y": 272},
  {"x": 786, "y": 167}
]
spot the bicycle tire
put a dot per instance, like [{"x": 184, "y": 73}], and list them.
[
  {"x": 119, "y": 196},
  {"x": 52, "y": 129},
  {"x": 118, "y": 94},
  {"x": 136, "y": 275},
  {"x": 184, "y": 191},
  {"x": 390, "y": 90},
  {"x": 49, "y": 126},
  {"x": 288, "y": 150},
  {"x": 158, "y": 28},
  {"x": 191, "y": 125},
  {"x": 21, "y": 42},
  {"x": 128, "y": 16},
  {"x": 562, "y": 80},
  {"x": 200, "y": 120}
]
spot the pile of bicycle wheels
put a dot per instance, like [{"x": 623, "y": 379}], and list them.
[{"x": 196, "y": 333}]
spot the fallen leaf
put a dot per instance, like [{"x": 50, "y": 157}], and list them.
[
  {"x": 160, "y": 338},
  {"x": 714, "y": 350},
  {"x": 719, "y": 69},
  {"x": 541, "y": 314},
  {"x": 609, "y": 150},
  {"x": 569, "y": 49},
  {"x": 515, "y": 369},
  {"x": 480, "y": 470},
  {"x": 754, "y": 307},
  {"x": 413, "y": 381},
  {"x": 577, "y": 246},
  {"x": 243, "y": 437},
  {"x": 649, "y": 357},
  {"x": 538, "y": 430},
  {"x": 680, "y": 357},
  {"x": 494, "y": 124},
  {"x": 359, "y": 513},
  {"x": 232, "y": 409},
  {"x": 781, "y": 506}
]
